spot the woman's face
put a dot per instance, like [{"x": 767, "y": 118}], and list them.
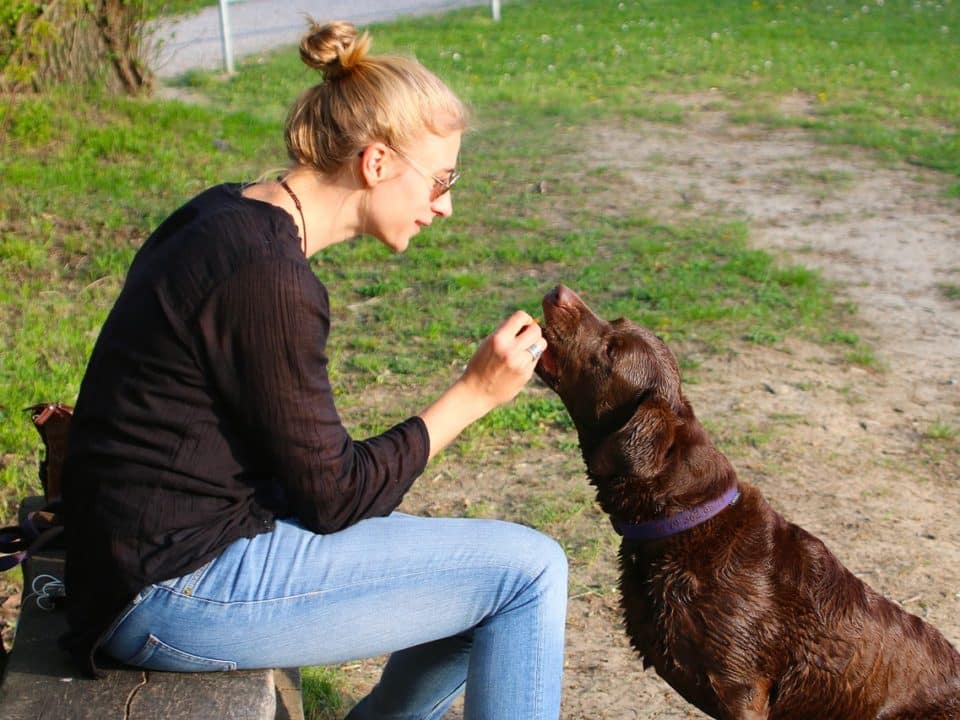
[{"x": 401, "y": 203}]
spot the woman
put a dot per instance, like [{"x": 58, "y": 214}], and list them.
[{"x": 218, "y": 514}]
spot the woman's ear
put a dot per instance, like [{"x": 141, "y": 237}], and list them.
[
  {"x": 374, "y": 164},
  {"x": 640, "y": 447}
]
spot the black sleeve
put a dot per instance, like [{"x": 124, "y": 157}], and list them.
[{"x": 264, "y": 334}]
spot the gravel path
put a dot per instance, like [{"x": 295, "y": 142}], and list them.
[{"x": 190, "y": 42}]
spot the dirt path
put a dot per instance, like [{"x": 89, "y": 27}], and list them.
[{"x": 842, "y": 449}]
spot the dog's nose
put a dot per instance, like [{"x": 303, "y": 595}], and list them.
[
  {"x": 552, "y": 297},
  {"x": 564, "y": 295}
]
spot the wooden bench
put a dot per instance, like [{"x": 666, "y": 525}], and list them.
[{"x": 40, "y": 680}]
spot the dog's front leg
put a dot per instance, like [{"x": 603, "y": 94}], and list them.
[{"x": 744, "y": 702}]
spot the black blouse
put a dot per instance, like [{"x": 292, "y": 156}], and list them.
[{"x": 206, "y": 411}]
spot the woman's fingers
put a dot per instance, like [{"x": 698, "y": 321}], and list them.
[
  {"x": 532, "y": 342},
  {"x": 519, "y": 336},
  {"x": 505, "y": 361},
  {"x": 516, "y": 323}
]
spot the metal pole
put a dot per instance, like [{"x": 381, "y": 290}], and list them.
[
  {"x": 225, "y": 37},
  {"x": 495, "y": 10}
]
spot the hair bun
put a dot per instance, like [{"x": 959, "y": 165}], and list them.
[{"x": 333, "y": 48}]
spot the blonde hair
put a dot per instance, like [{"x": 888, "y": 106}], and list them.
[{"x": 363, "y": 99}]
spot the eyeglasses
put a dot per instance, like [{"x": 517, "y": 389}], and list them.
[{"x": 441, "y": 186}]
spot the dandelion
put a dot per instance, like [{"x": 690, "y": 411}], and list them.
[
  {"x": 880, "y": 3},
  {"x": 457, "y": 57},
  {"x": 944, "y": 29},
  {"x": 551, "y": 68},
  {"x": 715, "y": 36},
  {"x": 617, "y": 50},
  {"x": 865, "y": 9},
  {"x": 545, "y": 38},
  {"x": 833, "y": 44},
  {"x": 894, "y": 73},
  {"x": 768, "y": 64},
  {"x": 579, "y": 27},
  {"x": 822, "y": 96}
]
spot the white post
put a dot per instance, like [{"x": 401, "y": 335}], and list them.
[
  {"x": 225, "y": 37},
  {"x": 495, "y": 10}
]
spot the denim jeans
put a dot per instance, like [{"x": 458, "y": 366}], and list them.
[{"x": 462, "y": 605}]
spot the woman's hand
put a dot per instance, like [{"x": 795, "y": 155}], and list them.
[
  {"x": 505, "y": 360},
  {"x": 498, "y": 370}
]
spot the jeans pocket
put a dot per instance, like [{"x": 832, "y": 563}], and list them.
[{"x": 157, "y": 655}]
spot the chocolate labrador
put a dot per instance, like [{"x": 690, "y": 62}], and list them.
[{"x": 743, "y": 613}]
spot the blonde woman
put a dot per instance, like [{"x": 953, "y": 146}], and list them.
[{"x": 219, "y": 515}]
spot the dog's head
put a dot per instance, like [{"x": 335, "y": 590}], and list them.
[{"x": 619, "y": 382}]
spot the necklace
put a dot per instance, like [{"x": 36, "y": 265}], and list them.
[{"x": 296, "y": 202}]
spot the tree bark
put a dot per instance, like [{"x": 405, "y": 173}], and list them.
[{"x": 75, "y": 41}]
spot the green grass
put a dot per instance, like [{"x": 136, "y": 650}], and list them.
[
  {"x": 176, "y": 7},
  {"x": 321, "y": 692},
  {"x": 950, "y": 291},
  {"x": 86, "y": 177},
  {"x": 941, "y": 430}
]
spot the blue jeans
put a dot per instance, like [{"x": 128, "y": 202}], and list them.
[{"x": 462, "y": 604}]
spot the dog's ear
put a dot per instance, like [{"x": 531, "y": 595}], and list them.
[{"x": 640, "y": 447}]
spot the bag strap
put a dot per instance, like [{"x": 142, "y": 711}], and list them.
[
  {"x": 34, "y": 533},
  {"x": 39, "y": 528}
]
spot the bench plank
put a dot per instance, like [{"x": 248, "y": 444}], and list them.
[{"x": 41, "y": 683}]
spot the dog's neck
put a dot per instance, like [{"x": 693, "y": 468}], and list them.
[
  {"x": 681, "y": 522},
  {"x": 694, "y": 473}
]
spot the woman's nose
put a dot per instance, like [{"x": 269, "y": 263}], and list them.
[{"x": 443, "y": 205}]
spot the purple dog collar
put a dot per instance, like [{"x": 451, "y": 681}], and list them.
[{"x": 659, "y": 529}]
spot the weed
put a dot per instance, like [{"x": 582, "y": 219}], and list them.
[
  {"x": 842, "y": 337},
  {"x": 940, "y": 430},
  {"x": 864, "y": 357},
  {"x": 321, "y": 692}
]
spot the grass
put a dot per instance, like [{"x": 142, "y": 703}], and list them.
[
  {"x": 157, "y": 8},
  {"x": 941, "y": 430},
  {"x": 321, "y": 691},
  {"x": 950, "y": 291},
  {"x": 940, "y": 451},
  {"x": 86, "y": 177}
]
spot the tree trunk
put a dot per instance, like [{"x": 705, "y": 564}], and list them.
[{"x": 71, "y": 41}]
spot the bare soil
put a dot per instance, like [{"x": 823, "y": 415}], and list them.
[{"x": 844, "y": 451}]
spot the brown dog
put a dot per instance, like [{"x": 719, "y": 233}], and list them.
[{"x": 743, "y": 613}]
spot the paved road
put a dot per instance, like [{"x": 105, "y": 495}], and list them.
[{"x": 194, "y": 41}]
